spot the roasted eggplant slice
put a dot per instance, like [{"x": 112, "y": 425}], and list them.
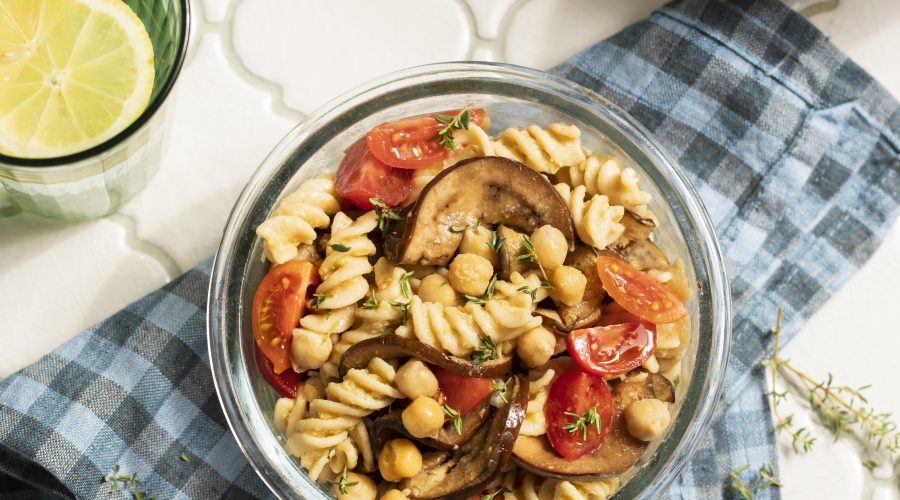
[
  {"x": 636, "y": 228},
  {"x": 619, "y": 451},
  {"x": 644, "y": 254},
  {"x": 489, "y": 190},
  {"x": 394, "y": 346},
  {"x": 466, "y": 470},
  {"x": 588, "y": 311},
  {"x": 447, "y": 438}
]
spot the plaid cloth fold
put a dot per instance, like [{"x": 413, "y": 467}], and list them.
[{"x": 793, "y": 148}]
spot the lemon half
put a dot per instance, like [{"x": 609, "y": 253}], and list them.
[{"x": 73, "y": 73}]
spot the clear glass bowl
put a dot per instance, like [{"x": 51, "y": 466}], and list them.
[
  {"x": 96, "y": 181},
  {"x": 512, "y": 95}
]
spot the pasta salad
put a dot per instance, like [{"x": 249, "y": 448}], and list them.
[{"x": 455, "y": 314}]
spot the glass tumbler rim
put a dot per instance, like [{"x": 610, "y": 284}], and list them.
[{"x": 149, "y": 112}]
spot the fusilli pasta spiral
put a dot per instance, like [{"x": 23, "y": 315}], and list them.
[
  {"x": 343, "y": 272},
  {"x": 534, "y": 423},
  {"x": 545, "y": 151},
  {"x": 297, "y": 217},
  {"x": 596, "y": 221},
  {"x": 336, "y": 421},
  {"x": 371, "y": 320},
  {"x": 532, "y": 487},
  {"x": 606, "y": 175},
  {"x": 459, "y": 329}
]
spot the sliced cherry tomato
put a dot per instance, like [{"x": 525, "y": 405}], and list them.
[
  {"x": 278, "y": 305},
  {"x": 613, "y": 349},
  {"x": 462, "y": 393},
  {"x": 411, "y": 143},
  {"x": 361, "y": 176},
  {"x": 286, "y": 382},
  {"x": 638, "y": 293},
  {"x": 572, "y": 394}
]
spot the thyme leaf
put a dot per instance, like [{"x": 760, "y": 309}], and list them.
[
  {"x": 582, "y": 422},
  {"x": 487, "y": 351},
  {"x": 455, "y": 417},
  {"x": 450, "y": 123},
  {"x": 385, "y": 214}
]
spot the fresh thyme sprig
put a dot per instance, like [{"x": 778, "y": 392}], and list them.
[
  {"x": 318, "y": 299},
  {"x": 404, "y": 310},
  {"x": 385, "y": 214},
  {"x": 489, "y": 291},
  {"x": 455, "y": 417},
  {"x": 126, "y": 482},
  {"x": 757, "y": 483},
  {"x": 528, "y": 290},
  {"x": 843, "y": 410},
  {"x": 490, "y": 496},
  {"x": 342, "y": 483},
  {"x": 471, "y": 298},
  {"x": 372, "y": 303},
  {"x": 404, "y": 284},
  {"x": 531, "y": 255},
  {"x": 499, "y": 387},
  {"x": 496, "y": 242},
  {"x": 487, "y": 351},
  {"x": 450, "y": 123},
  {"x": 582, "y": 422},
  {"x": 801, "y": 440},
  {"x": 337, "y": 247}
]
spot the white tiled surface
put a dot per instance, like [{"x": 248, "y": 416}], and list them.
[{"x": 255, "y": 68}]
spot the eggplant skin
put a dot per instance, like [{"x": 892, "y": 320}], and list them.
[
  {"x": 468, "y": 470},
  {"x": 393, "y": 346}
]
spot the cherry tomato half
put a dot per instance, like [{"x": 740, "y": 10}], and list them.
[
  {"x": 410, "y": 142},
  {"x": 286, "y": 382},
  {"x": 278, "y": 305},
  {"x": 638, "y": 293},
  {"x": 613, "y": 349},
  {"x": 462, "y": 393},
  {"x": 572, "y": 394},
  {"x": 361, "y": 176}
]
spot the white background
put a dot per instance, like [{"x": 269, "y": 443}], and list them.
[{"x": 256, "y": 67}]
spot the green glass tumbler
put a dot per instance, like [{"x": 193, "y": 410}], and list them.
[{"x": 96, "y": 181}]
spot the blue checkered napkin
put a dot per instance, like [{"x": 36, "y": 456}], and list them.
[
  {"x": 136, "y": 391},
  {"x": 793, "y": 148}
]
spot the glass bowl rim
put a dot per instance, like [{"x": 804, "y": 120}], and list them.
[
  {"x": 711, "y": 385},
  {"x": 143, "y": 118}
]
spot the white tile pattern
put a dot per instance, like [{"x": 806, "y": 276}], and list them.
[{"x": 255, "y": 68}]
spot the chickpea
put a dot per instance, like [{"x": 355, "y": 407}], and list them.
[
  {"x": 310, "y": 350},
  {"x": 436, "y": 288},
  {"x": 647, "y": 419},
  {"x": 477, "y": 240},
  {"x": 550, "y": 246},
  {"x": 414, "y": 379},
  {"x": 399, "y": 459},
  {"x": 394, "y": 495},
  {"x": 536, "y": 346},
  {"x": 424, "y": 417},
  {"x": 568, "y": 285},
  {"x": 364, "y": 489},
  {"x": 470, "y": 274},
  {"x": 282, "y": 410}
]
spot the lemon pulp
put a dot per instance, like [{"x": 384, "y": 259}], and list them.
[{"x": 73, "y": 73}]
